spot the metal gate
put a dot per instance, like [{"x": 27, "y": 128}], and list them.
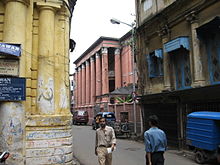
[{"x": 167, "y": 114}]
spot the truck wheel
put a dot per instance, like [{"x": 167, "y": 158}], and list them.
[{"x": 199, "y": 157}]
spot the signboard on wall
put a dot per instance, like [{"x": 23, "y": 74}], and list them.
[
  {"x": 9, "y": 67},
  {"x": 12, "y": 89},
  {"x": 10, "y": 49}
]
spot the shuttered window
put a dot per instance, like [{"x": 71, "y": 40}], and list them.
[
  {"x": 155, "y": 63},
  {"x": 180, "y": 59}
]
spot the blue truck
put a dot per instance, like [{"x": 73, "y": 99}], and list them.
[{"x": 203, "y": 135}]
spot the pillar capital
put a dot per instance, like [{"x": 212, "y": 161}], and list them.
[
  {"x": 192, "y": 17},
  {"x": 64, "y": 14},
  {"x": 83, "y": 66},
  {"x": 164, "y": 31},
  {"x": 117, "y": 51},
  {"x": 104, "y": 50},
  {"x": 79, "y": 68},
  {"x": 87, "y": 62},
  {"x": 48, "y": 6},
  {"x": 26, "y": 2},
  {"x": 91, "y": 59},
  {"x": 97, "y": 55}
]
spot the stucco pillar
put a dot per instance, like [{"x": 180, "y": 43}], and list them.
[
  {"x": 15, "y": 27},
  {"x": 98, "y": 77},
  {"x": 88, "y": 82},
  {"x": 93, "y": 80},
  {"x": 61, "y": 56},
  {"x": 80, "y": 86},
  {"x": 46, "y": 91},
  {"x": 83, "y": 85},
  {"x": 198, "y": 72},
  {"x": 118, "y": 66},
  {"x": 166, "y": 66},
  {"x": 105, "y": 81},
  {"x": 12, "y": 113}
]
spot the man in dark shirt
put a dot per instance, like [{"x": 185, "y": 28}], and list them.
[{"x": 155, "y": 143}]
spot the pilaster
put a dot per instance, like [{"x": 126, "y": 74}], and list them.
[
  {"x": 61, "y": 58},
  {"x": 164, "y": 34},
  {"x": 195, "y": 54}
]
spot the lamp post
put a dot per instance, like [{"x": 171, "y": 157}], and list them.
[{"x": 115, "y": 21}]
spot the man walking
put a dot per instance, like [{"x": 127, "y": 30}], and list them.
[
  {"x": 105, "y": 138},
  {"x": 155, "y": 143}
]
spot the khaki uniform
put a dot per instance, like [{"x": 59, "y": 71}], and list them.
[{"x": 104, "y": 139}]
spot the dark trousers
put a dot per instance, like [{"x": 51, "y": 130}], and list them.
[{"x": 157, "y": 158}]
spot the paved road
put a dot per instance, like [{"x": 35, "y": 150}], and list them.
[{"x": 128, "y": 152}]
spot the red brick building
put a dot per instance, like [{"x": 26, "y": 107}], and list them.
[{"x": 104, "y": 67}]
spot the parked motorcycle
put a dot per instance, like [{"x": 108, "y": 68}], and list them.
[
  {"x": 3, "y": 156},
  {"x": 122, "y": 128}
]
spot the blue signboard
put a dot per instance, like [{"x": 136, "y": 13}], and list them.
[
  {"x": 12, "y": 89},
  {"x": 10, "y": 49}
]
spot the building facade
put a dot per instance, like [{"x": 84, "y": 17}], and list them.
[
  {"x": 104, "y": 67},
  {"x": 35, "y": 118},
  {"x": 178, "y": 60}
]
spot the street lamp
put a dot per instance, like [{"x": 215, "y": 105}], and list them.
[{"x": 116, "y": 21}]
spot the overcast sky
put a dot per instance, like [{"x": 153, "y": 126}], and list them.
[{"x": 91, "y": 20}]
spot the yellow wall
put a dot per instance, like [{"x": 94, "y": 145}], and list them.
[{"x": 41, "y": 124}]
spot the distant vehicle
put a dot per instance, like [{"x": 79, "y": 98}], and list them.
[
  {"x": 109, "y": 116},
  {"x": 80, "y": 116}
]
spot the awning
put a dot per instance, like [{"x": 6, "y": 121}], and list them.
[
  {"x": 10, "y": 49},
  {"x": 122, "y": 91},
  {"x": 176, "y": 44}
]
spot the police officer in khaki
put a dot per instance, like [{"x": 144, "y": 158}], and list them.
[{"x": 105, "y": 143}]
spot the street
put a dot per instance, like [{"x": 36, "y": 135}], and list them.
[{"x": 127, "y": 152}]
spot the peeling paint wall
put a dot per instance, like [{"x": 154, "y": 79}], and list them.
[
  {"x": 46, "y": 95},
  {"x": 168, "y": 25},
  {"x": 46, "y": 144},
  {"x": 12, "y": 131}
]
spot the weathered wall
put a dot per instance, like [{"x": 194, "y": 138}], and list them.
[
  {"x": 12, "y": 131},
  {"x": 48, "y": 140},
  {"x": 149, "y": 8},
  {"x": 172, "y": 24}
]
